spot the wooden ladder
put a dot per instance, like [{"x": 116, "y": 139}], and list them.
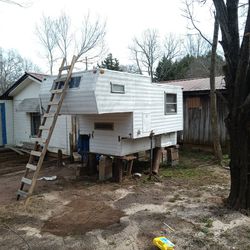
[{"x": 48, "y": 123}]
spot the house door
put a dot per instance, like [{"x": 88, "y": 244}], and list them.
[{"x": 3, "y": 137}]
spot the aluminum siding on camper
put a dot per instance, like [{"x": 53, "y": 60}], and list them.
[
  {"x": 80, "y": 100},
  {"x": 102, "y": 141}
]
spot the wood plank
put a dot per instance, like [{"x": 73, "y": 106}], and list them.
[
  {"x": 56, "y": 91},
  {"x": 53, "y": 103},
  {"x": 36, "y": 153},
  {"x": 49, "y": 115},
  {"x": 44, "y": 128},
  {"x": 22, "y": 193},
  {"x": 65, "y": 68},
  {"x": 26, "y": 181},
  {"x": 31, "y": 166},
  {"x": 40, "y": 162},
  {"x": 14, "y": 149}
]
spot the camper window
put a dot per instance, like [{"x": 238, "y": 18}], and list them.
[
  {"x": 104, "y": 126},
  {"x": 117, "y": 88},
  {"x": 170, "y": 103},
  {"x": 35, "y": 119},
  {"x": 73, "y": 83}
]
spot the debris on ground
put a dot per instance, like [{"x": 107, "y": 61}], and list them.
[{"x": 187, "y": 207}]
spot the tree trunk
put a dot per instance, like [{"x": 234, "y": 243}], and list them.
[
  {"x": 213, "y": 105},
  {"x": 237, "y": 78},
  {"x": 239, "y": 197}
]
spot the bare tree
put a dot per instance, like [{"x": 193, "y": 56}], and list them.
[
  {"x": 46, "y": 33},
  {"x": 18, "y": 3},
  {"x": 237, "y": 78},
  {"x": 196, "y": 46},
  {"x": 189, "y": 14},
  {"x": 172, "y": 46},
  {"x": 135, "y": 57},
  {"x": 56, "y": 37},
  {"x": 147, "y": 50},
  {"x": 91, "y": 44},
  {"x": 63, "y": 34},
  {"x": 12, "y": 66}
]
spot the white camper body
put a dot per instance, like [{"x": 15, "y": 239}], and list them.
[{"x": 118, "y": 110}]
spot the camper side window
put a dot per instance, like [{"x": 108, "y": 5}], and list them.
[
  {"x": 73, "y": 83},
  {"x": 35, "y": 119},
  {"x": 104, "y": 126},
  {"x": 170, "y": 103},
  {"x": 117, "y": 88}
]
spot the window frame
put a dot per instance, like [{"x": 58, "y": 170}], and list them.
[
  {"x": 34, "y": 130},
  {"x": 170, "y": 103},
  {"x": 96, "y": 124},
  {"x": 59, "y": 85},
  {"x": 112, "y": 85}
]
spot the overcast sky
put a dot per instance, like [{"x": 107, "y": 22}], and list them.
[{"x": 125, "y": 19}]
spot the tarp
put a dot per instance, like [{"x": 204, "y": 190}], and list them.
[{"x": 30, "y": 105}]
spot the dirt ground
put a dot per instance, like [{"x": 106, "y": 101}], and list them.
[{"x": 186, "y": 206}]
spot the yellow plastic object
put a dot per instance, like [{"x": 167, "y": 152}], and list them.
[{"x": 163, "y": 243}]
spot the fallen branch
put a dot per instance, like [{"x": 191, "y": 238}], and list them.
[{"x": 5, "y": 226}]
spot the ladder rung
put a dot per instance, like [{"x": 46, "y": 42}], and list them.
[
  {"x": 26, "y": 181},
  {"x": 53, "y": 103},
  {"x": 38, "y": 139},
  {"x": 44, "y": 128},
  {"x": 35, "y": 153},
  {"x": 65, "y": 67},
  {"x": 49, "y": 115},
  {"x": 31, "y": 166},
  {"x": 41, "y": 140},
  {"x": 22, "y": 193},
  {"x": 56, "y": 91}
]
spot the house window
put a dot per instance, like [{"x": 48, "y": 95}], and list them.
[
  {"x": 104, "y": 126},
  {"x": 170, "y": 103},
  {"x": 73, "y": 83},
  {"x": 117, "y": 88},
  {"x": 35, "y": 123}
]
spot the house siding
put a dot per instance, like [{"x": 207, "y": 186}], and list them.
[{"x": 22, "y": 122}]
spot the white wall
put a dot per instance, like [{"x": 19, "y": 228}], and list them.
[
  {"x": 103, "y": 141},
  {"x": 22, "y": 122}
]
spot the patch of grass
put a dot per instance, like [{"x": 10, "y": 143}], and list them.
[
  {"x": 207, "y": 221},
  {"x": 183, "y": 172}
]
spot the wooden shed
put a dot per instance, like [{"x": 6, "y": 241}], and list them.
[{"x": 196, "y": 101}]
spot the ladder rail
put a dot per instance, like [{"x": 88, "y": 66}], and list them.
[
  {"x": 42, "y": 153},
  {"x": 39, "y": 165}
]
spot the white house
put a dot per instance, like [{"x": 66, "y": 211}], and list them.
[
  {"x": 20, "y": 115},
  {"x": 116, "y": 111}
]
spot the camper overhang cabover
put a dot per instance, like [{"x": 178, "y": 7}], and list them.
[{"x": 118, "y": 111}]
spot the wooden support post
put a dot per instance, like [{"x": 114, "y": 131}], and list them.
[
  {"x": 74, "y": 133},
  {"x": 71, "y": 147},
  {"x": 117, "y": 169},
  {"x": 92, "y": 163},
  {"x": 130, "y": 166},
  {"x": 173, "y": 156},
  {"x": 59, "y": 158},
  {"x": 157, "y": 153}
]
